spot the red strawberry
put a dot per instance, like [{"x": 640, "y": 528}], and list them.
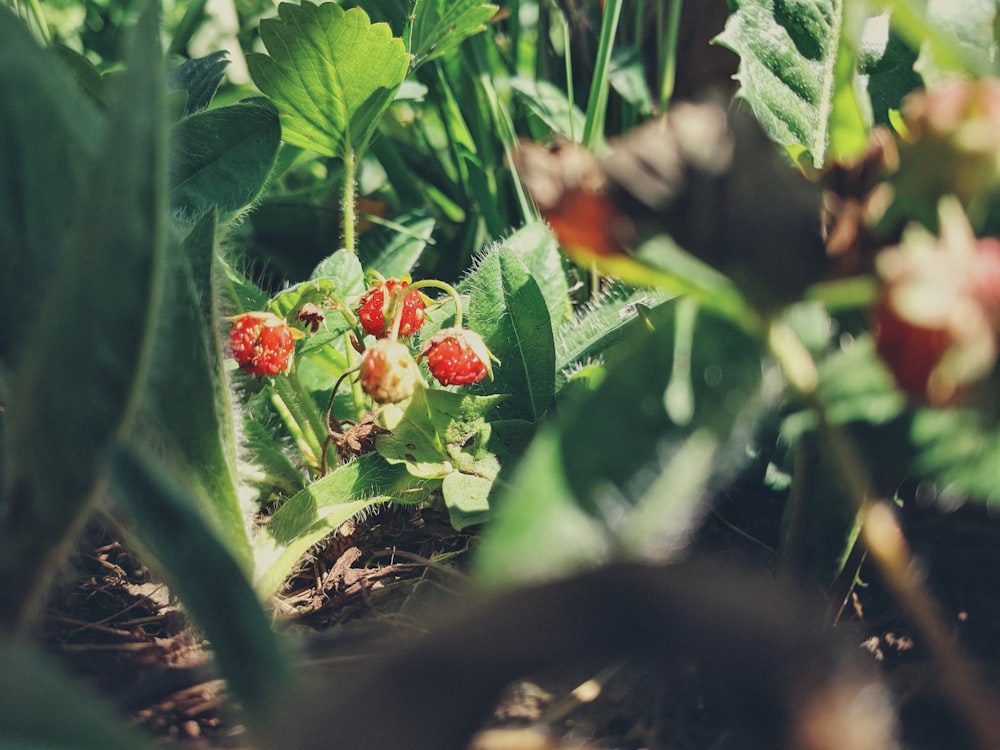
[
  {"x": 261, "y": 343},
  {"x": 375, "y": 309},
  {"x": 456, "y": 356},
  {"x": 388, "y": 373}
]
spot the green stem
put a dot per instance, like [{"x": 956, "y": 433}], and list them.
[
  {"x": 435, "y": 284},
  {"x": 597, "y": 104},
  {"x": 301, "y": 415},
  {"x": 668, "y": 75},
  {"x": 349, "y": 204}
]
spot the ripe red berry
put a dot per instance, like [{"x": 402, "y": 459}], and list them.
[
  {"x": 376, "y": 314},
  {"x": 456, "y": 356},
  {"x": 261, "y": 343},
  {"x": 388, "y": 372}
]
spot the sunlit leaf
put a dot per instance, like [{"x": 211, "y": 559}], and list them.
[
  {"x": 319, "y": 509},
  {"x": 797, "y": 71},
  {"x": 331, "y": 73},
  {"x": 438, "y": 27}
]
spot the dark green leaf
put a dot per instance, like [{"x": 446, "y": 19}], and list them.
[
  {"x": 90, "y": 336},
  {"x": 395, "y": 251},
  {"x": 45, "y": 708},
  {"x": 549, "y": 104},
  {"x": 331, "y": 73},
  {"x": 222, "y": 158},
  {"x": 797, "y": 71},
  {"x": 200, "y": 78},
  {"x": 49, "y": 135}
]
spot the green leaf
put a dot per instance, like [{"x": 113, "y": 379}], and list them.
[
  {"x": 331, "y": 73},
  {"x": 718, "y": 364},
  {"x": 50, "y": 134},
  {"x": 959, "y": 449},
  {"x": 540, "y": 531},
  {"x": 955, "y": 39},
  {"x": 438, "y": 27},
  {"x": 45, "y": 708},
  {"x": 395, "y": 250},
  {"x": 81, "y": 373},
  {"x": 602, "y": 322},
  {"x": 222, "y": 158},
  {"x": 200, "y": 78},
  {"x": 319, "y": 509},
  {"x": 168, "y": 525},
  {"x": 627, "y": 76},
  {"x": 467, "y": 498},
  {"x": 549, "y": 104},
  {"x": 797, "y": 71},
  {"x": 440, "y": 432},
  {"x": 507, "y": 308},
  {"x": 187, "y": 407}
]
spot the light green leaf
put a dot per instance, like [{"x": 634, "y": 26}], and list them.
[
  {"x": 222, "y": 158},
  {"x": 440, "y": 26},
  {"x": 319, "y": 509},
  {"x": 953, "y": 38},
  {"x": 797, "y": 71},
  {"x": 331, "y": 73},
  {"x": 959, "y": 449},
  {"x": 395, "y": 250},
  {"x": 467, "y": 498}
]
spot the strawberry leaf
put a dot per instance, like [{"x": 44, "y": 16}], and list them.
[
  {"x": 798, "y": 72},
  {"x": 331, "y": 73},
  {"x": 508, "y": 309},
  {"x": 440, "y": 26}
]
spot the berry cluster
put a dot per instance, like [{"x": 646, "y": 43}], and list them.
[
  {"x": 393, "y": 309},
  {"x": 390, "y": 310}
]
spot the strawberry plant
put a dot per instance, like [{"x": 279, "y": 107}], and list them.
[{"x": 479, "y": 259}]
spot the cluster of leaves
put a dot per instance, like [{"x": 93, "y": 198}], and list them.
[{"x": 611, "y": 424}]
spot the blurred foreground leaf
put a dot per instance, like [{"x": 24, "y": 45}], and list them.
[{"x": 87, "y": 357}]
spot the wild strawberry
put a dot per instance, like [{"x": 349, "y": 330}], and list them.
[
  {"x": 261, "y": 343},
  {"x": 388, "y": 372},
  {"x": 456, "y": 356},
  {"x": 938, "y": 318},
  {"x": 376, "y": 309}
]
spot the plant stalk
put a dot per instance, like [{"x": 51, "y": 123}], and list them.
[
  {"x": 349, "y": 204},
  {"x": 884, "y": 540},
  {"x": 597, "y": 104}
]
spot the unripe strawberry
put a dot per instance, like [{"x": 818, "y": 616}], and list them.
[
  {"x": 261, "y": 343},
  {"x": 388, "y": 372},
  {"x": 457, "y": 356},
  {"x": 375, "y": 311}
]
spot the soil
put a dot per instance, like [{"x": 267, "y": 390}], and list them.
[{"x": 115, "y": 626}]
